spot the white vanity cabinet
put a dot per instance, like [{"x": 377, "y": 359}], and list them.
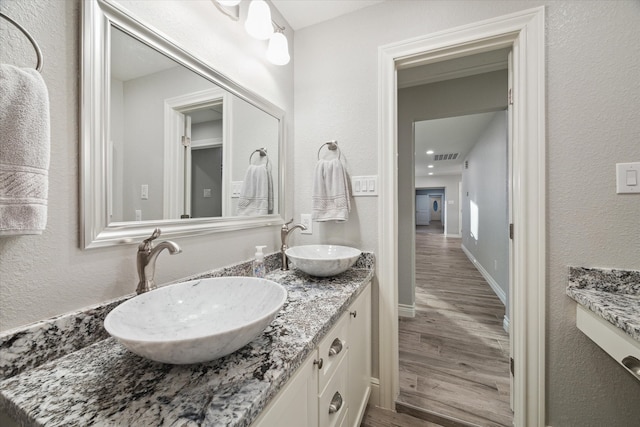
[
  {"x": 359, "y": 356},
  {"x": 332, "y": 387}
]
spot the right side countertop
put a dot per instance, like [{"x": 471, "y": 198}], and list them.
[{"x": 612, "y": 294}]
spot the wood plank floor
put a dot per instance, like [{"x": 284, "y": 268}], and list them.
[
  {"x": 377, "y": 417},
  {"x": 454, "y": 355}
]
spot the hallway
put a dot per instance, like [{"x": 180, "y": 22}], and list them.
[{"x": 454, "y": 355}]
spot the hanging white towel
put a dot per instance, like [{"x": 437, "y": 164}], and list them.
[
  {"x": 256, "y": 194},
  {"x": 24, "y": 151},
  {"x": 330, "y": 192}
]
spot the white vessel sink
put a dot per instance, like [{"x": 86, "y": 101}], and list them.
[
  {"x": 322, "y": 260},
  {"x": 198, "y": 320}
]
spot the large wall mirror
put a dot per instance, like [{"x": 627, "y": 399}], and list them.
[{"x": 167, "y": 141}]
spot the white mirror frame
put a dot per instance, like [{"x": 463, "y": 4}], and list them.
[{"x": 95, "y": 228}]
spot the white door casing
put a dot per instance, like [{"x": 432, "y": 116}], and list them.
[{"x": 523, "y": 32}]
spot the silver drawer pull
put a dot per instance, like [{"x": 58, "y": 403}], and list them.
[
  {"x": 336, "y": 347},
  {"x": 336, "y": 403},
  {"x": 320, "y": 363},
  {"x": 633, "y": 365}
]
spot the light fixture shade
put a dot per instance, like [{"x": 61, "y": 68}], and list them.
[
  {"x": 278, "y": 50},
  {"x": 229, "y": 2},
  {"x": 258, "y": 23}
]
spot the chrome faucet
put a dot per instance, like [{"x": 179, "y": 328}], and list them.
[
  {"x": 146, "y": 260},
  {"x": 284, "y": 235}
]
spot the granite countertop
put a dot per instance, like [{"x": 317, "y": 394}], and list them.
[
  {"x": 96, "y": 381},
  {"x": 613, "y": 295}
]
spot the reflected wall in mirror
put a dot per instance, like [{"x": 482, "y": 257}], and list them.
[{"x": 167, "y": 141}]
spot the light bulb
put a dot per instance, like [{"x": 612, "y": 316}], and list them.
[
  {"x": 278, "y": 50},
  {"x": 229, "y": 3},
  {"x": 258, "y": 22}
]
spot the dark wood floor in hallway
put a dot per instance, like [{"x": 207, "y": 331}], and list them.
[{"x": 454, "y": 354}]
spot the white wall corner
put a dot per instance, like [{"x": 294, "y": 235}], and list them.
[{"x": 406, "y": 310}]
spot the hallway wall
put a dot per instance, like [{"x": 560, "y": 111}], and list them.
[{"x": 485, "y": 183}]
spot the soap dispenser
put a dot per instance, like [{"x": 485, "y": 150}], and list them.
[{"x": 258, "y": 263}]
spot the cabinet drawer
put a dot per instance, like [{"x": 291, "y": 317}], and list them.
[
  {"x": 333, "y": 401},
  {"x": 332, "y": 350}
]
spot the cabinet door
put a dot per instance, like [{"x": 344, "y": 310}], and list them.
[
  {"x": 296, "y": 405},
  {"x": 359, "y": 356}
]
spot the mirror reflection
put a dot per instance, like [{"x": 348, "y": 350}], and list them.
[{"x": 181, "y": 147}]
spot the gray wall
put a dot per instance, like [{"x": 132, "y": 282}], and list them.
[
  {"x": 592, "y": 103},
  {"x": 486, "y": 183}
]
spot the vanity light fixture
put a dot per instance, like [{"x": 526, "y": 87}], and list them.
[
  {"x": 430, "y": 166},
  {"x": 430, "y": 173},
  {"x": 260, "y": 26},
  {"x": 278, "y": 50},
  {"x": 430, "y": 152},
  {"x": 258, "y": 23}
]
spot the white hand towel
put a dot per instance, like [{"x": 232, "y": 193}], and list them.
[
  {"x": 256, "y": 194},
  {"x": 24, "y": 151},
  {"x": 330, "y": 192}
]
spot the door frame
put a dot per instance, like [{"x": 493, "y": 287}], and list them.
[
  {"x": 524, "y": 33},
  {"x": 174, "y": 174}
]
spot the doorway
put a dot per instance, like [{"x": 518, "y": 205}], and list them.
[
  {"x": 429, "y": 206},
  {"x": 456, "y": 345},
  {"x": 524, "y": 33}
]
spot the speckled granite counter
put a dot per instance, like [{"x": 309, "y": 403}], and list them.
[
  {"x": 613, "y": 295},
  {"x": 53, "y": 376}
]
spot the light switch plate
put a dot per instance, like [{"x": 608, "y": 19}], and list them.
[
  {"x": 628, "y": 178},
  {"x": 144, "y": 192},
  {"x": 305, "y": 219},
  {"x": 236, "y": 186},
  {"x": 364, "y": 185}
]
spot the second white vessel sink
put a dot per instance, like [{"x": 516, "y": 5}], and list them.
[
  {"x": 196, "y": 321},
  {"x": 323, "y": 260}
]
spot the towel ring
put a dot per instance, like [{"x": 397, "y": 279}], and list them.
[
  {"x": 333, "y": 146},
  {"x": 263, "y": 153},
  {"x": 31, "y": 39}
]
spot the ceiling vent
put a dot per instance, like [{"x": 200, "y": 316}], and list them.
[{"x": 452, "y": 156}]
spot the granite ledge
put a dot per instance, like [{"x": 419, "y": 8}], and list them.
[
  {"x": 612, "y": 294},
  {"x": 104, "y": 384}
]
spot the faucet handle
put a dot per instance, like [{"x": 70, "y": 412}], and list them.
[
  {"x": 286, "y": 224},
  {"x": 156, "y": 233},
  {"x": 146, "y": 243}
]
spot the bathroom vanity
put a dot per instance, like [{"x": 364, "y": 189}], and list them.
[
  {"x": 311, "y": 366},
  {"x": 608, "y": 311}
]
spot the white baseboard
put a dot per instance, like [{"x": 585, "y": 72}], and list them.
[
  {"x": 490, "y": 280},
  {"x": 406, "y": 310},
  {"x": 374, "y": 397},
  {"x": 459, "y": 236},
  {"x": 506, "y": 324}
]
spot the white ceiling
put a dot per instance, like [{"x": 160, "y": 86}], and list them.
[
  {"x": 304, "y": 13},
  {"x": 445, "y": 136}
]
